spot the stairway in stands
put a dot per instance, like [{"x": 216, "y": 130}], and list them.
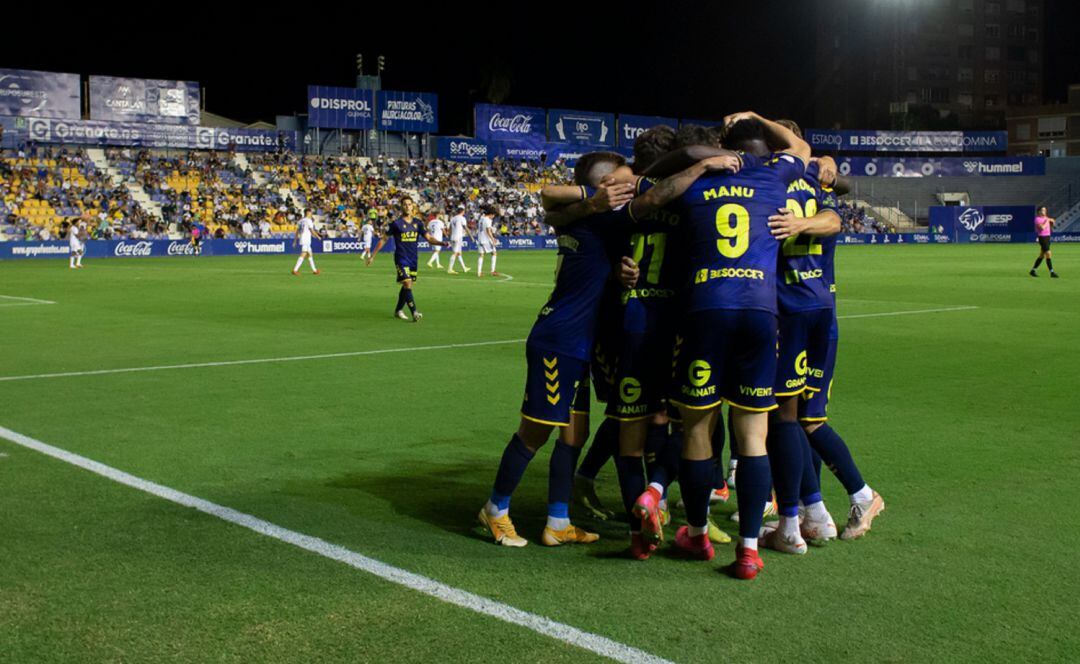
[{"x": 149, "y": 205}]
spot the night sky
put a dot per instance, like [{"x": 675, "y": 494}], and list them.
[{"x": 678, "y": 59}]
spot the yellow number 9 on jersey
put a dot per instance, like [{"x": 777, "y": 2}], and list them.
[{"x": 734, "y": 237}]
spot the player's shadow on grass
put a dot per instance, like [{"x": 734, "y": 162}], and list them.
[{"x": 449, "y": 496}]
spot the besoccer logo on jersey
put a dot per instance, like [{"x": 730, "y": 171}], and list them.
[{"x": 971, "y": 219}]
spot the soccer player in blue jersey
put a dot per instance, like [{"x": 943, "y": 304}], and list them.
[
  {"x": 406, "y": 231},
  {"x": 805, "y": 313},
  {"x": 866, "y": 504},
  {"x": 560, "y": 344},
  {"x": 726, "y": 347}
]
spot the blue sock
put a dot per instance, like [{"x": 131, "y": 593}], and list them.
[
  {"x": 670, "y": 459},
  {"x": 836, "y": 455},
  {"x": 785, "y": 444},
  {"x": 754, "y": 480},
  {"x": 718, "y": 455},
  {"x": 409, "y": 300},
  {"x": 656, "y": 440},
  {"x": 400, "y": 298},
  {"x": 561, "y": 479},
  {"x": 631, "y": 484},
  {"x": 810, "y": 488},
  {"x": 815, "y": 461},
  {"x": 734, "y": 446},
  {"x": 695, "y": 479},
  {"x": 605, "y": 445},
  {"x": 515, "y": 460}
]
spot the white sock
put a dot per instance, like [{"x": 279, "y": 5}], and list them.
[
  {"x": 789, "y": 526},
  {"x": 493, "y": 510},
  {"x": 311, "y": 261},
  {"x": 493, "y": 257},
  {"x": 749, "y": 543},
  {"x": 733, "y": 464},
  {"x": 480, "y": 265},
  {"x": 695, "y": 531},
  {"x": 71, "y": 261},
  {"x": 659, "y": 487},
  {"x": 78, "y": 260},
  {"x": 863, "y": 495},
  {"x": 299, "y": 262},
  {"x": 817, "y": 512},
  {"x": 462, "y": 261},
  {"x": 557, "y": 523}
]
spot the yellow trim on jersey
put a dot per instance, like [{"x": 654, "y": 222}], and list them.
[
  {"x": 584, "y": 192},
  {"x": 813, "y": 419},
  {"x": 752, "y": 410},
  {"x": 579, "y": 412},
  {"x": 685, "y": 405},
  {"x": 815, "y": 390},
  {"x": 538, "y": 421}
]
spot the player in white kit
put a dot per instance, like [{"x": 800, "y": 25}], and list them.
[
  {"x": 458, "y": 228},
  {"x": 436, "y": 227},
  {"x": 305, "y": 229},
  {"x": 367, "y": 233},
  {"x": 485, "y": 243},
  {"x": 76, "y": 245}
]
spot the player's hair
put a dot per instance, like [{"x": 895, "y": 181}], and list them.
[
  {"x": 690, "y": 134},
  {"x": 792, "y": 125},
  {"x": 742, "y": 132},
  {"x": 1042, "y": 209},
  {"x": 594, "y": 165},
  {"x": 651, "y": 144}
]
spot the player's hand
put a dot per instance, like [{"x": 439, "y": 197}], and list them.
[
  {"x": 736, "y": 117},
  {"x": 785, "y": 224},
  {"x": 727, "y": 162},
  {"x": 611, "y": 197},
  {"x": 628, "y": 272}
]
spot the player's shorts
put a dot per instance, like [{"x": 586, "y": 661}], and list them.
[
  {"x": 1044, "y": 242},
  {"x": 305, "y": 247},
  {"x": 196, "y": 240},
  {"x": 486, "y": 247},
  {"x": 365, "y": 245},
  {"x": 643, "y": 376},
  {"x": 552, "y": 385},
  {"x": 726, "y": 355},
  {"x": 457, "y": 246},
  {"x": 813, "y": 407},
  {"x": 406, "y": 272},
  {"x": 606, "y": 345},
  {"x": 802, "y": 335}
]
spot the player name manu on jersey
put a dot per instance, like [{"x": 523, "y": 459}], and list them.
[{"x": 734, "y": 191}]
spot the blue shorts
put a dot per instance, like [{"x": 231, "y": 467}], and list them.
[
  {"x": 405, "y": 272},
  {"x": 606, "y": 346},
  {"x": 643, "y": 376},
  {"x": 551, "y": 386},
  {"x": 803, "y": 335},
  {"x": 815, "y": 402},
  {"x": 726, "y": 355}
]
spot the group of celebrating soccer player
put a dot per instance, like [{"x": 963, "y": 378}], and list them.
[{"x": 702, "y": 275}]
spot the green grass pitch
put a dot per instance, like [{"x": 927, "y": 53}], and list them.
[{"x": 965, "y": 420}]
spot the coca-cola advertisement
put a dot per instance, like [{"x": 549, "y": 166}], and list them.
[{"x": 510, "y": 123}]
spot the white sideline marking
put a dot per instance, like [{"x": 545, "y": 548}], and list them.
[
  {"x": 449, "y": 594},
  {"x": 22, "y": 301},
  {"x": 908, "y": 313},
  {"x": 262, "y": 360}
]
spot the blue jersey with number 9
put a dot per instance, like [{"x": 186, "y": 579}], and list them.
[{"x": 731, "y": 253}]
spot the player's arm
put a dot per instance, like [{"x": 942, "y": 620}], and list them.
[
  {"x": 683, "y": 158},
  {"x": 378, "y": 248},
  {"x": 315, "y": 232},
  {"x": 606, "y": 197},
  {"x": 842, "y": 186},
  {"x": 670, "y": 188},
  {"x": 785, "y": 224},
  {"x": 777, "y": 135},
  {"x": 431, "y": 240}
]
